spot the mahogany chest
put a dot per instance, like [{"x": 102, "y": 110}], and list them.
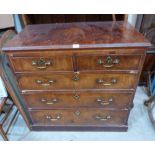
[{"x": 77, "y": 76}]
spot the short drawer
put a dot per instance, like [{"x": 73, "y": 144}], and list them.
[
  {"x": 108, "y": 62},
  {"x": 86, "y": 117},
  {"x": 51, "y": 63},
  {"x": 46, "y": 100},
  {"x": 76, "y": 81}
]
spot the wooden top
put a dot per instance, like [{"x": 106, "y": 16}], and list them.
[{"x": 77, "y": 35}]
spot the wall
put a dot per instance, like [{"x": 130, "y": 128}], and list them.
[{"x": 6, "y": 21}]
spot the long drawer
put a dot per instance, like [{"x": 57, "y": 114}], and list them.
[
  {"x": 76, "y": 117},
  {"x": 76, "y": 81},
  {"x": 42, "y": 63},
  {"x": 108, "y": 62},
  {"x": 50, "y": 100}
]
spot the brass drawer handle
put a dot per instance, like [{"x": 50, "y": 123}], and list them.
[
  {"x": 56, "y": 118},
  {"x": 101, "y": 81},
  {"x": 48, "y": 83},
  {"x": 53, "y": 101},
  {"x": 41, "y": 63},
  {"x": 109, "y": 62},
  {"x": 108, "y": 66},
  {"x": 102, "y": 102},
  {"x": 100, "y": 118}
]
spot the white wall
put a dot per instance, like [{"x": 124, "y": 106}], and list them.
[
  {"x": 132, "y": 19},
  {"x": 6, "y": 21}
]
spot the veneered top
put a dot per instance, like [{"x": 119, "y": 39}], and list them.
[{"x": 77, "y": 35}]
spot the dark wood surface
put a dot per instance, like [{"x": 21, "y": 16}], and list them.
[
  {"x": 85, "y": 81},
  {"x": 60, "y": 100},
  {"x": 86, "y": 35},
  {"x": 69, "y": 18},
  {"x": 25, "y": 63},
  {"x": 83, "y": 62},
  {"x": 69, "y": 80},
  {"x": 80, "y": 116},
  {"x": 125, "y": 62},
  {"x": 122, "y": 128}
]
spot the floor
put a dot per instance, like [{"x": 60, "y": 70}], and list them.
[{"x": 140, "y": 128}]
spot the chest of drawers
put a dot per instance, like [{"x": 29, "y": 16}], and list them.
[{"x": 77, "y": 76}]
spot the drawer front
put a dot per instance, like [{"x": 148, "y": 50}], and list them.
[
  {"x": 45, "y": 82},
  {"x": 51, "y": 63},
  {"x": 108, "y": 62},
  {"x": 77, "y": 81},
  {"x": 51, "y": 100},
  {"x": 77, "y": 117}
]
